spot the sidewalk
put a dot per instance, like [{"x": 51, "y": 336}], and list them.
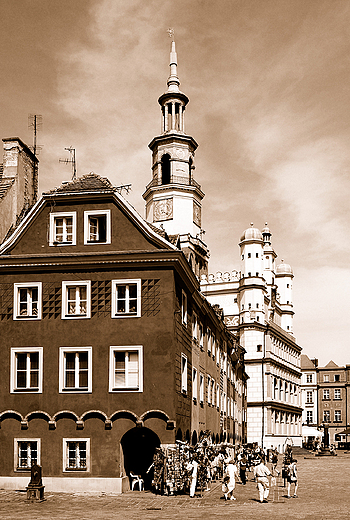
[{"x": 323, "y": 495}]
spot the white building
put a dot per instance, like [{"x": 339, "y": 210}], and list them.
[
  {"x": 309, "y": 399},
  {"x": 258, "y": 306}
]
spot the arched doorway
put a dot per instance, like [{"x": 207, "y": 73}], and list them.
[{"x": 139, "y": 445}]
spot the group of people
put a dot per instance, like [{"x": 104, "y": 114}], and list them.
[
  {"x": 186, "y": 468},
  {"x": 261, "y": 472}
]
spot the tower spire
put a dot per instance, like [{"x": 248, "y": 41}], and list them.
[{"x": 173, "y": 80}]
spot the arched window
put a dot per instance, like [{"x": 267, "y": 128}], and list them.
[{"x": 166, "y": 169}]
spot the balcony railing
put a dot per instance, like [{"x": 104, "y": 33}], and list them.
[{"x": 174, "y": 179}]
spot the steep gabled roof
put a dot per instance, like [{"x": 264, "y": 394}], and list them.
[
  {"x": 306, "y": 363},
  {"x": 331, "y": 364},
  {"x": 89, "y": 182}
]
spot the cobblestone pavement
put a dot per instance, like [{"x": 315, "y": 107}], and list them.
[{"x": 323, "y": 495}]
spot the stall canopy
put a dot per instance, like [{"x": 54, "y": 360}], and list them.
[
  {"x": 308, "y": 431},
  {"x": 345, "y": 432}
]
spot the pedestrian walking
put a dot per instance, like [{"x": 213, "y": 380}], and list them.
[
  {"x": 230, "y": 480},
  {"x": 261, "y": 472},
  {"x": 242, "y": 469},
  {"x": 192, "y": 468},
  {"x": 292, "y": 478}
]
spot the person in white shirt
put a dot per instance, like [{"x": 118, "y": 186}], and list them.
[
  {"x": 261, "y": 472},
  {"x": 230, "y": 480}
]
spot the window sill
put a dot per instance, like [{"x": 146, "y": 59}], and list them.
[
  {"x": 68, "y": 470},
  {"x": 24, "y": 318},
  {"x": 76, "y": 390},
  {"x": 129, "y": 389},
  {"x": 125, "y": 315},
  {"x": 25, "y": 390},
  {"x": 25, "y": 470},
  {"x": 76, "y": 317}
]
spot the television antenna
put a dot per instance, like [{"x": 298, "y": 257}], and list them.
[
  {"x": 35, "y": 121},
  {"x": 71, "y": 161}
]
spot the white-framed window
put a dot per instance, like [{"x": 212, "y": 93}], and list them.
[
  {"x": 217, "y": 396},
  {"x": 201, "y": 337},
  {"x": 326, "y": 378},
  {"x": 209, "y": 341},
  {"x": 209, "y": 389},
  {"x": 309, "y": 378},
  {"x": 26, "y": 369},
  {"x": 212, "y": 391},
  {"x": 337, "y": 393},
  {"x": 213, "y": 345},
  {"x": 194, "y": 326},
  {"x": 27, "y": 301},
  {"x": 126, "y": 368},
  {"x": 26, "y": 453},
  {"x": 76, "y": 454},
  {"x": 184, "y": 307},
  {"x": 126, "y": 298},
  {"x": 194, "y": 384},
  {"x": 76, "y": 299},
  {"x": 201, "y": 388},
  {"x": 97, "y": 227},
  {"x": 183, "y": 373},
  {"x": 309, "y": 399},
  {"x": 75, "y": 373},
  {"x": 217, "y": 355},
  {"x": 309, "y": 417},
  {"x": 326, "y": 393},
  {"x": 337, "y": 415},
  {"x": 63, "y": 229},
  {"x": 326, "y": 415}
]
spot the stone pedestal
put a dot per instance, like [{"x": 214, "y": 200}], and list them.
[
  {"x": 35, "y": 493},
  {"x": 35, "y": 488}
]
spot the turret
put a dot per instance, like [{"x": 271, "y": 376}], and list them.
[{"x": 173, "y": 198}]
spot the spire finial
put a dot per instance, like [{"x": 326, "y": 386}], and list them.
[
  {"x": 173, "y": 79},
  {"x": 171, "y": 34}
]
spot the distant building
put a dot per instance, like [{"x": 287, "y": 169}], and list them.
[
  {"x": 309, "y": 399},
  {"x": 325, "y": 401},
  {"x": 333, "y": 400},
  {"x": 258, "y": 307}
]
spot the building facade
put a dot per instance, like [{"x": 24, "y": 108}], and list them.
[
  {"x": 108, "y": 347},
  {"x": 258, "y": 306},
  {"x": 309, "y": 400},
  {"x": 325, "y": 397}
]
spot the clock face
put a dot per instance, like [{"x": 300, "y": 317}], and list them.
[{"x": 163, "y": 210}]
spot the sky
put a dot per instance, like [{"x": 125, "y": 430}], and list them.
[{"x": 269, "y": 89}]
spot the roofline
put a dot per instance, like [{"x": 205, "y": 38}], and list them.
[{"x": 138, "y": 220}]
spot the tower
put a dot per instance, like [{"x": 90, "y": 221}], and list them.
[{"x": 173, "y": 198}]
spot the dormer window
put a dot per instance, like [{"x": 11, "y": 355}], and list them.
[
  {"x": 63, "y": 229},
  {"x": 97, "y": 227}
]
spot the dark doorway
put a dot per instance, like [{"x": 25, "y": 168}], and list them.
[{"x": 139, "y": 445}]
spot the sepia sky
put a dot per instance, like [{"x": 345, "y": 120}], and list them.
[{"x": 269, "y": 89}]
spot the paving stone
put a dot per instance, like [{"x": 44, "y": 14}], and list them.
[{"x": 323, "y": 495}]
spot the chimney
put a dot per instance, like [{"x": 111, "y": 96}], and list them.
[{"x": 18, "y": 183}]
